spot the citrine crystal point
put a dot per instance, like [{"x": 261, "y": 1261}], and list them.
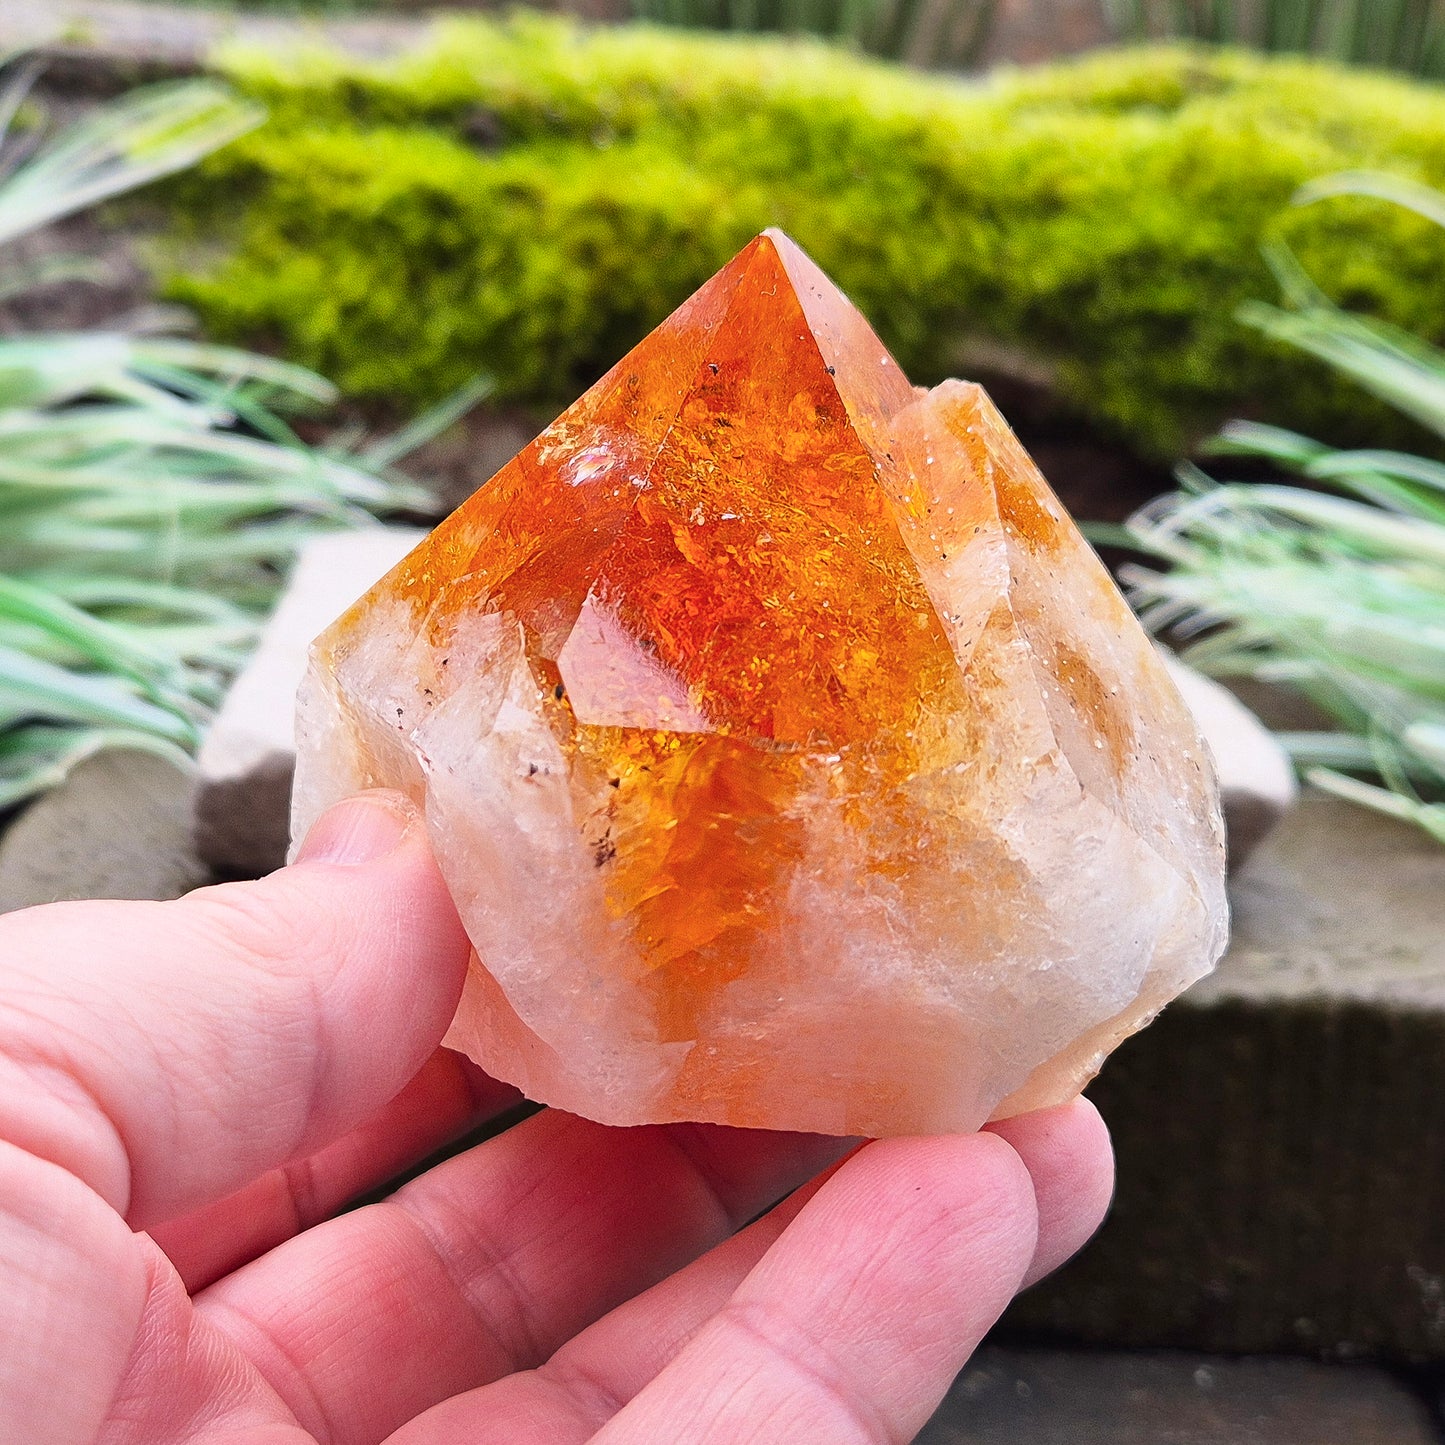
[{"x": 791, "y": 759}]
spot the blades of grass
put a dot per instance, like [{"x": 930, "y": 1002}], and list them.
[
  {"x": 101, "y": 432},
  {"x": 1109, "y": 534},
  {"x": 1352, "y": 522},
  {"x": 1429, "y": 816},
  {"x": 1414, "y": 196},
  {"x": 211, "y": 654},
  {"x": 204, "y": 357},
  {"x": 1408, "y": 486},
  {"x": 1411, "y": 379},
  {"x": 1296, "y": 285},
  {"x": 1396, "y": 481},
  {"x": 139, "y": 551},
  {"x": 49, "y": 271},
  {"x": 429, "y": 424},
  {"x": 149, "y": 134},
  {"x": 1390, "y": 767},
  {"x": 1273, "y": 443},
  {"x": 1370, "y": 647},
  {"x": 141, "y": 533},
  {"x": 35, "y": 759},
  {"x": 130, "y": 386},
  {"x": 46, "y": 372},
  {"x": 1302, "y": 295},
  {"x": 31, "y": 689},
  {"x": 43, "y": 370},
  {"x": 1345, "y": 753},
  {"x": 1403, "y": 498},
  {"x": 16, "y": 87},
  {"x": 1427, "y": 740},
  {"x": 1386, "y": 623},
  {"x": 1403, "y": 466},
  {"x": 204, "y": 501},
  {"x": 114, "y": 446},
  {"x": 1316, "y": 592},
  {"x": 29, "y": 761},
  {"x": 199, "y": 657},
  {"x": 227, "y": 402},
  {"x": 143, "y": 491},
  {"x": 36, "y": 374},
  {"x": 150, "y": 598},
  {"x": 98, "y": 641}
]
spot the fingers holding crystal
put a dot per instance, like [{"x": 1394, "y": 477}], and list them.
[
  {"x": 491, "y": 1262},
  {"x": 1065, "y": 1150}
]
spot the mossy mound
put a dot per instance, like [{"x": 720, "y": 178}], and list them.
[{"x": 528, "y": 196}]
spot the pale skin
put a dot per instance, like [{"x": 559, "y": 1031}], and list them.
[{"x": 190, "y": 1091}]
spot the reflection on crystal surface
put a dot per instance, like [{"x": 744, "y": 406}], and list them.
[{"x": 792, "y": 760}]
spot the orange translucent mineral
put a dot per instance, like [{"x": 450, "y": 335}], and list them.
[{"x": 792, "y": 760}]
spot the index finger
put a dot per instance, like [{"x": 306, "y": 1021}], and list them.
[
  {"x": 854, "y": 1322},
  {"x": 169, "y": 1053}
]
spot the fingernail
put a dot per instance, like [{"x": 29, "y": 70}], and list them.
[{"x": 360, "y": 830}]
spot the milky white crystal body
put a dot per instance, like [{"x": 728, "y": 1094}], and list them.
[{"x": 791, "y": 759}]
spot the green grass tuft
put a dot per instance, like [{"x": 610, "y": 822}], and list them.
[
  {"x": 151, "y": 493},
  {"x": 1341, "y": 597}
]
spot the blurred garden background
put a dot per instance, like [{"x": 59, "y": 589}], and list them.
[{"x": 278, "y": 274}]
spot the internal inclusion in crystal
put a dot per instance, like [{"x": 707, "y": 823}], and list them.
[{"x": 792, "y": 760}]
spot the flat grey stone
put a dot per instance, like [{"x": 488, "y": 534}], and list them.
[
  {"x": 1280, "y": 1129},
  {"x": 1256, "y": 779},
  {"x": 249, "y": 754},
  {"x": 1047, "y": 1397},
  {"x": 118, "y": 827}
]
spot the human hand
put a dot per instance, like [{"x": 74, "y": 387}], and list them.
[{"x": 224, "y": 1072}]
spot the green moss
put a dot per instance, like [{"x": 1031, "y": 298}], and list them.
[{"x": 529, "y": 197}]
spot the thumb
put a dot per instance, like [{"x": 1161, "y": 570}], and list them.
[{"x": 169, "y": 1053}]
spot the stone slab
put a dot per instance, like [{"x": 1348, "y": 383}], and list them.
[
  {"x": 246, "y": 761},
  {"x": 1045, "y": 1397},
  {"x": 1280, "y": 1129},
  {"x": 118, "y": 827}
]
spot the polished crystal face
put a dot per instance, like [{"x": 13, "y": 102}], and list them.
[{"x": 792, "y": 760}]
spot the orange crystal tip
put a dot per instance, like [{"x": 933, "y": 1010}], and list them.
[{"x": 701, "y": 543}]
